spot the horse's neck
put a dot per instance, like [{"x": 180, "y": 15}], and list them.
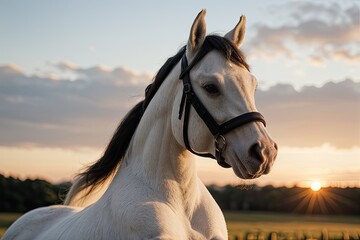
[{"x": 155, "y": 157}]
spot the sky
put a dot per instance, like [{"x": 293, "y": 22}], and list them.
[{"x": 70, "y": 70}]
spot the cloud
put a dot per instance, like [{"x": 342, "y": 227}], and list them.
[
  {"x": 37, "y": 111},
  {"x": 120, "y": 76},
  {"x": 314, "y": 115},
  {"x": 329, "y": 31}
]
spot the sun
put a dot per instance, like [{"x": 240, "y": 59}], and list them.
[{"x": 315, "y": 186}]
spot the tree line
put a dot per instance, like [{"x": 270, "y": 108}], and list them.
[
  {"x": 23, "y": 195},
  {"x": 330, "y": 200}
]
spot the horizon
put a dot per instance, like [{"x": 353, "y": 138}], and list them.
[
  {"x": 245, "y": 185},
  {"x": 67, "y": 78}
]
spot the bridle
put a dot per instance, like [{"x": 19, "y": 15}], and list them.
[{"x": 189, "y": 99}]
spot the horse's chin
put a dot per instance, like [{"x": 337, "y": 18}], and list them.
[{"x": 247, "y": 171}]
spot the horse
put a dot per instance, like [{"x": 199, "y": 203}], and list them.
[{"x": 201, "y": 102}]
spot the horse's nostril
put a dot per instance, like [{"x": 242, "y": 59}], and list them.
[
  {"x": 255, "y": 152},
  {"x": 275, "y": 146}
]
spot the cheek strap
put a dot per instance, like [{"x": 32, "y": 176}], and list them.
[{"x": 189, "y": 98}]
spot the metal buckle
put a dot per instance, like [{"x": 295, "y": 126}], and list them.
[
  {"x": 220, "y": 143},
  {"x": 187, "y": 87}
]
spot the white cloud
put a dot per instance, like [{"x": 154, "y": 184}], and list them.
[
  {"x": 66, "y": 66},
  {"x": 330, "y": 32},
  {"x": 313, "y": 115},
  {"x": 121, "y": 76},
  {"x": 36, "y": 111}
]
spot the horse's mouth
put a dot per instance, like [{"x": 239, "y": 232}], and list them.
[{"x": 244, "y": 172}]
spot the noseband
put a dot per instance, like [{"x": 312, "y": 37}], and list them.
[{"x": 189, "y": 99}]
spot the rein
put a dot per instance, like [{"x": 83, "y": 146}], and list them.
[{"x": 189, "y": 99}]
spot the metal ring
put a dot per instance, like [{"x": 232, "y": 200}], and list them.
[{"x": 220, "y": 143}]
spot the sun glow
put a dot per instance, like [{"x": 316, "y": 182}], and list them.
[{"x": 315, "y": 186}]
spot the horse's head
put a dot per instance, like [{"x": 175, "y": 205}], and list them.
[{"x": 222, "y": 83}]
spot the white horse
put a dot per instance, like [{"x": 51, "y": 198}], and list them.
[{"x": 151, "y": 188}]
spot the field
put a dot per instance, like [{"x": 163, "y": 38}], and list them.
[
  {"x": 250, "y": 225},
  {"x": 278, "y": 226},
  {"x": 6, "y": 219}
]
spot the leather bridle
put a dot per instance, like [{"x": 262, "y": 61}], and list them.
[{"x": 189, "y": 99}]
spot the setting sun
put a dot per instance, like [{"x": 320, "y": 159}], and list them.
[{"x": 315, "y": 186}]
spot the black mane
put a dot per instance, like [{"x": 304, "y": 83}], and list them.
[{"x": 98, "y": 172}]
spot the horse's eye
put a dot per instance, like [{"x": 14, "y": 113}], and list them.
[{"x": 211, "y": 88}]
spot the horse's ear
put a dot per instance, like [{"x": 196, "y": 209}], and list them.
[
  {"x": 238, "y": 33},
  {"x": 197, "y": 33}
]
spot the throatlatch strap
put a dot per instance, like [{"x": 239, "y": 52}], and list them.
[{"x": 186, "y": 136}]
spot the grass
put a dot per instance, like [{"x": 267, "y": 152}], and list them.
[
  {"x": 258, "y": 225},
  {"x": 6, "y": 219}
]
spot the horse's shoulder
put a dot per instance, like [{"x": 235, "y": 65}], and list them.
[{"x": 154, "y": 219}]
